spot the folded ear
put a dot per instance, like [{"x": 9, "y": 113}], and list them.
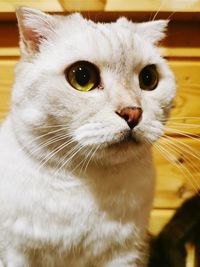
[
  {"x": 34, "y": 27},
  {"x": 154, "y": 31}
]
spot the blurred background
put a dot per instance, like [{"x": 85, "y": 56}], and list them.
[{"x": 178, "y": 167}]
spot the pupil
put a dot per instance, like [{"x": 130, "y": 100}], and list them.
[
  {"x": 82, "y": 76},
  {"x": 147, "y": 78}
]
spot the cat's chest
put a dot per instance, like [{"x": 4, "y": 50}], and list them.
[
  {"x": 71, "y": 217},
  {"x": 74, "y": 217},
  {"x": 75, "y": 225}
]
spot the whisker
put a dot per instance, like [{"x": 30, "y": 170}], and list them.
[
  {"x": 50, "y": 141},
  {"x": 172, "y": 159},
  {"x": 91, "y": 157},
  {"x": 193, "y": 152},
  {"x": 70, "y": 152},
  {"x": 53, "y": 153},
  {"x": 85, "y": 158},
  {"x": 83, "y": 161},
  {"x": 182, "y": 118},
  {"x": 74, "y": 152},
  {"x": 184, "y": 133},
  {"x": 159, "y": 9},
  {"x": 38, "y": 138},
  {"x": 180, "y": 149},
  {"x": 171, "y": 15},
  {"x": 186, "y": 125},
  {"x": 188, "y": 160},
  {"x": 64, "y": 126}
]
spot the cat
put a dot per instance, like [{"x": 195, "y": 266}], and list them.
[
  {"x": 168, "y": 249},
  {"x": 76, "y": 170}
]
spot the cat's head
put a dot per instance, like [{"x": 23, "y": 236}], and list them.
[{"x": 94, "y": 89}]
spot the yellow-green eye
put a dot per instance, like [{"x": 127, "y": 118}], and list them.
[
  {"x": 83, "y": 76},
  {"x": 148, "y": 78}
]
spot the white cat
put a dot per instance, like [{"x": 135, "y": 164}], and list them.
[{"x": 76, "y": 172}]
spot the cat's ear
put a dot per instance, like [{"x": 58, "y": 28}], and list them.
[
  {"x": 34, "y": 27},
  {"x": 154, "y": 31}
]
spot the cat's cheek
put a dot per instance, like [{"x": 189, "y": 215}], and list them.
[{"x": 31, "y": 116}]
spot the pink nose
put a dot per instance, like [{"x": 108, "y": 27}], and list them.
[{"x": 131, "y": 115}]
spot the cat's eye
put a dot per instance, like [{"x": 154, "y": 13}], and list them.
[
  {"x": 83, "y": 76},
  {"x": 148, "y": 78}
]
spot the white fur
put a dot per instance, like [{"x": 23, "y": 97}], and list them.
[{"x": 90, "y": 208}]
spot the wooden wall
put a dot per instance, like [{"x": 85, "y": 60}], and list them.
[{"x": 178, "y": 178}]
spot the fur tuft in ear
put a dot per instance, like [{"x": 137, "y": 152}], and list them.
[
  {"x": 34, "y": 26},
  {"x": 154, "y": 31}
]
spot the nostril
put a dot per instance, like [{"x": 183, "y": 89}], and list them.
[
  {"x": 131, "y": 115},
  {"x": 126, "y": 117}
]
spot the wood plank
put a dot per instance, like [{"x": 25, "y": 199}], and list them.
[{"x": 178, "y": 171}]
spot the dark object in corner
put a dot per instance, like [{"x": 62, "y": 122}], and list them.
[{"x": 168, "y": 248}]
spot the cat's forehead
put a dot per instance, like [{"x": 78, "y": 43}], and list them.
[
  {"x": 102, "y": 41},
  {"x": 112, "y": 34},
  {"x": 121, "y": 43}
]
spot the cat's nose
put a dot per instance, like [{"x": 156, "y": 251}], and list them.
[{"x": 131, "y": 115}]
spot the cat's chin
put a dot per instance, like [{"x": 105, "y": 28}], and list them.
[
  {"x": 128, "y": 140},
  {"x": 121, "y": 151}
]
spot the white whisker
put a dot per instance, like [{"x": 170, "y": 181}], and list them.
[
  {"x": 169, "y": 156},
  {"x": 184, "y": 133},
  {"x": 182, "y": 118},
  {"x": 74, "y": 152},
  {"x": 93, "y": 153},
  {"x": 188, "y": 149},
  {"x": 185, "y": 125},
  {"x": 159, "y": 9},
  {"x": 54, "y": 152},
  {"x": 180, "y": 149}
]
